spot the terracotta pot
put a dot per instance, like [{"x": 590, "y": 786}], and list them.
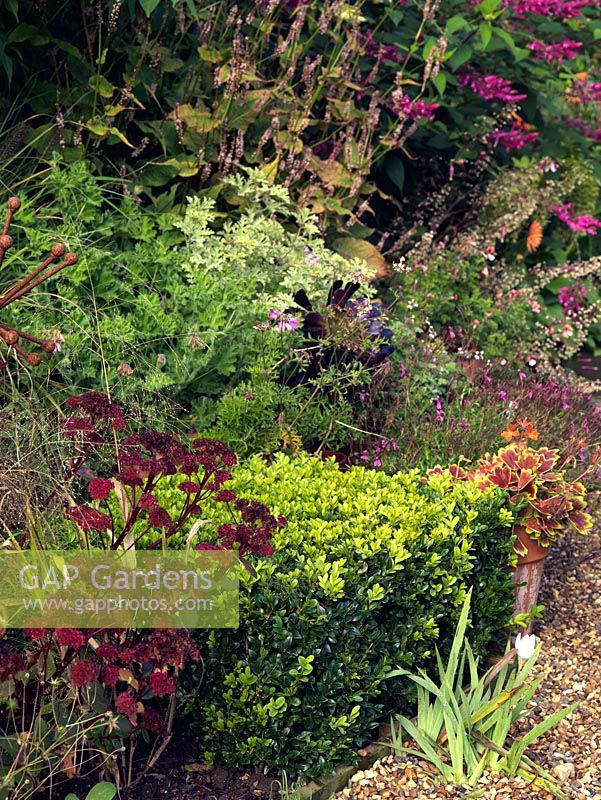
[
  {"x": 535, "y": 551},
  {"x": 528, "y": 574}
]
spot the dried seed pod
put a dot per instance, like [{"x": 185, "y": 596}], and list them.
[
  {"x": 41, "y": 273},
  {"x": 9, "y": 336},
  {"x": 58, "y": 250}
]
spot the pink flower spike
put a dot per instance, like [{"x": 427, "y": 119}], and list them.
[
  {"x": 579, "y": 224},
  {"x": 558, "y": 51},
  {"x": 491, "y": 87}
]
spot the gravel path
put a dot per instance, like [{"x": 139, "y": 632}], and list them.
[{"x": 570, "y": 665}]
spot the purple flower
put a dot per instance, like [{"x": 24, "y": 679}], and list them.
[
  {"x": 287, "y": 324},
  {"x": 556, "y": 9},
  {"x": 415, "y": 109},
  {"x": 491, "y": 87},
  {"x": 571, "y": 299},
  {"x": 579, "y": 224},
  {"x": 557, "y": 51},
  {"x": 513, "y": 139}
]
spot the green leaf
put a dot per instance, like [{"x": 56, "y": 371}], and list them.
[
  {"x": 461, "y": 56},
  {"x": 97, "y": 126},
  {"x": 28, "y": 33},
  {"x": 101, "y": 86},
  {"x": 456, "y": 23},
  {"x": 116, "y": 132},
  {"x": 358, "y": 248},
  {"x": 395, "y": 170},
  {"x": 209, "y": 54},
  {"x": 102, "y": 791},
  {"x": 440, "y": 81},
  {"x": 485, "y": 33},
  {"x": 198, "y": 119},
  {"x": 149, "y": 6}
]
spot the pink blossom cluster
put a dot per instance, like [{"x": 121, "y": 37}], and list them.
[
  {"x": 284, "y": 322},
  {"x": 491, "y": 87},
  {"x": 579, "y": 224},
  {"x": 382, "y": 448},
  {"x": 384, "y": 52},
  {"x": 513, "y": 139},
  {"x": 556, "y": 9},
  {"x": 557, "y": 51},
  {"x": 571, "y": 299},
  {"x": 585, "y": 91},
  {"x": 590, "y": 131},
  {"x": 415, "y": 109}
]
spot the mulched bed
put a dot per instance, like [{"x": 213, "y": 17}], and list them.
[
  {"x": 181, "y": 775},
  {"x": 570, "y": 665}
]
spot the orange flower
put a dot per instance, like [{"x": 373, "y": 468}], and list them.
[
  {"x": 510, "y": 433},
  {"x": 535, "y": 236}
]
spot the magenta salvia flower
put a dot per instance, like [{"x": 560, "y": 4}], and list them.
[
  {"x": 590, "y": 131},
  {"x": 513, "y": 139},
  {"x": 415, "y": 109},
  {"x": 556, "y": 9},
  {"x": 579, "y": 224},
  {"x": 558, "y": 51},
  {"x": 439, "y": 409},
  {"x": 491, "y": 87}
]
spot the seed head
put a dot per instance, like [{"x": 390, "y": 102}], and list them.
[
  {"x": 9, "y": 336},
  {"x": 71, "y": 258},
  {"x": 14, "y": 204},
  {"x": 6, "y": 241},
  {"x": 58, "y": 250},
  {"x": 35, "y": 359}
]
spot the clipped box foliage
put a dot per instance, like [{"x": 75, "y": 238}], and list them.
[{"x": 370, "y": 574}]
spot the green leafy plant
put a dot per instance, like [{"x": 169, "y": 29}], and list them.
[
  {"x": 166, "y": 303},
  {"x": 463, "y": 731},
  {"x": 371, "y": 568},
  {"x": 101, "y": 791},
  {"x": 345, "y": 108},
  {"x": 536, "y": 482}
]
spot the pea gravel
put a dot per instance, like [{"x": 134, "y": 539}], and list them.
[{"x": 570, "y": 666}]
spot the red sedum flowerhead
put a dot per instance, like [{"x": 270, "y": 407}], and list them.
[
  {"x": 84, "y": 672},
  {"x": 100, "y": 488}
]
